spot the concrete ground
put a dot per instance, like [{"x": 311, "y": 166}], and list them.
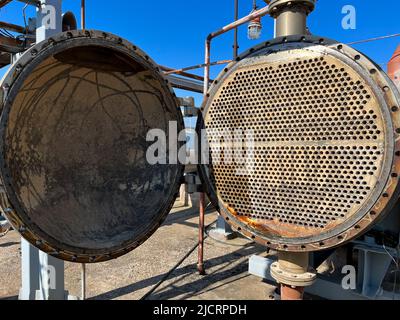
[{"x": 133, "y": 275}]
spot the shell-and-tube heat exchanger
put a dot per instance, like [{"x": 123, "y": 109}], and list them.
[
  {"x": 323, "y": 160},
  {"x": 77, "y": 108}
]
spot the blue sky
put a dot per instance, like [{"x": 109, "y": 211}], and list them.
[{"x": 173, "y": 32}]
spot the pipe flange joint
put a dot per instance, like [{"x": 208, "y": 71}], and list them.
[
  {"x": 276, "y": 6},
  {"x": 292, "y": 279}
]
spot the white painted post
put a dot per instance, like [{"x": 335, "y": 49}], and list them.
[{"x": 43, "y": 275}]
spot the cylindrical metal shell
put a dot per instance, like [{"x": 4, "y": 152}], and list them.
[
  {"x": 73, "y": 150},
  {"x": 303, "y": 134}
]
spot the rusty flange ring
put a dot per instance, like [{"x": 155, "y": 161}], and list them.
[
  {"x": 92, "y": 196},
  {"x": 387, "y": 187}
]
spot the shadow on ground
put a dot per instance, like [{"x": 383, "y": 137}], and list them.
[{"x": 190, "y": 288}]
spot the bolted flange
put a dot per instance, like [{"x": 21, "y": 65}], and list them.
[
  {"x": 276, "y": 6},
  {"x": 292, "y": 279}
]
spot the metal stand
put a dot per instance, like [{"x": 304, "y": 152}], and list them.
[
  {"x": 43, "y": 275},
  {"x": 373, "y": 265},
  {"x": 222, "y": 231}
]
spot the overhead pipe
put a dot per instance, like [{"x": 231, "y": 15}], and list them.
[
  {"x": 13, "y": 27},
  {"x": 197, "y": 66},
  {"x": 256, "y": 14},
  {"x": 168, "y": 71}
]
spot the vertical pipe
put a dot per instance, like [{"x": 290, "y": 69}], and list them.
[
  {"x": 292, "y": 271},
  {"x": 200, "y": 263},
  {"x": 235, "y": 42},
  {"x": 289, "y": 293},
  {"x": 207, "y": 66},
  {"x": 83, "y": 278},
  {"x": 83, "y": 15},
  {"x": 291, "y": 22}
]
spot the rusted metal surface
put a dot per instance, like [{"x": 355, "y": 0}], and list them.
[
  {"x": 289, "y": 293},
  {"x": 394, "y": 67},
  {"x": 5, "y": 59},
  {"x": 73, "y": 146},
  {"x": 200, "y": 255},
  {"x": 12, "y": 27},
  {"x": 11, "y": 45},
  {"x": 4, "y": 2},
  {"x": 325, "y": 162}
]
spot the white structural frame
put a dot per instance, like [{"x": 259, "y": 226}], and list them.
[{"x": 42, "y": 276}]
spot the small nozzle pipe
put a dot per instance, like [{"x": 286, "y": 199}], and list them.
[
  {"x": 291, "y": 21},
  {"x": 290, "y": 16},
  {"x": 295, "y": 263}
]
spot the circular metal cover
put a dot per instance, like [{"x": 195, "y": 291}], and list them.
[
  {"x": 75, "y": 117},
  {"x": 318, "y": 160}
]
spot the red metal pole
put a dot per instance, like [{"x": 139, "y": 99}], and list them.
[{"x": 200, "y": 264}]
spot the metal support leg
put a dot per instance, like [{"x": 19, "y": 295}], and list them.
[
  {"x": 223, "y": 231},
  {"x": 43, "y": 275},
  {"x": 29, "y": 271},
  {"x": 373, "y": 265}
]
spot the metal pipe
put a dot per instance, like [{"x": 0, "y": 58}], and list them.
[
  {"x": 291, "y": 16},
  {"x": 289, "y": 293},
  {"x": 235, "y": 39},
  {"x": 293, "y": 272},
  {"x": 83, "y": 15},
  {"x": 259, "y": 13},
  {"x": 12, "y": 27},
  {"x": 291, "y": 22},
  {"x": 4, "y": 2},
  {"x": 83, "y": 278},
  {"x": 168, "y": 71},
  {"x": 11, "y": 45},
  {"x": 31, "y": 2},
  {"x": 200, "y": 263},
  {"x": 197, "y": 66}
]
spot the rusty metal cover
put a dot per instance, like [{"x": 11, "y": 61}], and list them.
[
  {"x": 76, "y": 112},
  {"x": 320, "y": 144}
]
